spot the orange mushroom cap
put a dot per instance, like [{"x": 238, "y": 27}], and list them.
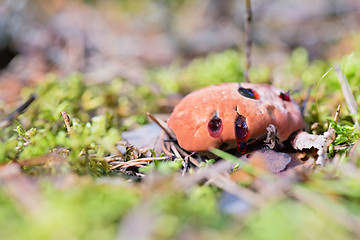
[{"x": 221, "y": 105}]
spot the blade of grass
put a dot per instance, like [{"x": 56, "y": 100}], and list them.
[
  {"x": 236, "y": 161},
  {"x": 348, "y": 94}
]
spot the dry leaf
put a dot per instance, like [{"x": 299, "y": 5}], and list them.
[
  {"x": 269, "y": 161},
  {"x": 303, "y": 140}
]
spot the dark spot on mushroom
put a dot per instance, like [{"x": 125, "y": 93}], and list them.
[
  {"x": 242, "y": 146},
  {"x": 249, "y": 93},
  {"x": 285, "y": 96},
  {"x": 241, "y": 133},
  {"x": 215, "y": 127}
]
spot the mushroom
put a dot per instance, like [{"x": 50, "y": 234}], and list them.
[{"x": 230, "y": 112}]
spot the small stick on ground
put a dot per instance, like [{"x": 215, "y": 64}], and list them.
[
  {"x": 248, "y": 39},
  {"x": 175, "y": 150},
  {"x": 164, "y": 145},
  {"x": 168, "y": 146},
  {"x": 192, "y": 160},
  {"x": 139, "y": 161},
  {"x": 349, "y": 96},
  {"x": 162, "y": 124},
  {"x": 66, "y": 121},
  {"x": 337, "y": 113},
  {"x": 9, "y": 119},
  {"x": 186, "y": 166}
]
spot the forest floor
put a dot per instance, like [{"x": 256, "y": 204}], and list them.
[{"x": 77, "y": 153}]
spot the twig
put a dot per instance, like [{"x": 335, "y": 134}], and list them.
[
  {"x": 248, "y": 39},
  {"x": 162, "y": 124},
  {"x": 186, "y": 165},
  {"x": 192, "y": 160},
  {"x": 140, "y": 161},
  {"x": 130, "y": 164},
  {"x": 224, "y": 182},
  {"x": 342, "y": 147},
  {"x": 349, "y": 96},
  {"x": 174, "y": 147},
  {"x": 66, "y": 121},
  {"x": 150, "y": 159},
  {"x": 165, "y": 150},
  {"x": 9, "y": 119},
  {"x": 337, "y": 113},
  {"x": 175, "y": 150},
  {"x": 202, "y": 174}
]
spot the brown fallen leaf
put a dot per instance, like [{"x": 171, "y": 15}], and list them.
[
  {"x": 276, "y": 161},
  {"x": 266, "y": 161},
  {"x": 303, "y": 140},
  {"x": 300, "y": 173}
]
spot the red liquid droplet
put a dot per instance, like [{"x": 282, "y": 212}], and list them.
[
  {"x": 241, "y": 129},
  {"x": 249, "y": 93},
  {"x": 256, "y": 95},
  {"x": 215, "y": 127},
  {"x": 241, "y": 133},
  {"x": 285, "y": 96},
  {"x": 242, "y": 147}
]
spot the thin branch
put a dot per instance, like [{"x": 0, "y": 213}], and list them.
[
  {"x": 139, "y": 161},
  {"x": 129, "y": 164},
  {"x": 192, "y": 160},
  {"x": 337, "y": 113},
  {"x": 175, "y": 150},
  {"x": 164, "y": 144},
  {"x": 66, "y": 121},
  {"x": 224, "y": 182},
  {"x": 174, "y": 147},
  {"x": 186, "y": 165},
  {"x": 9, "y": 119},
  {"x": 162, "y": 124},
  {"x": 248, "y": 39}
]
